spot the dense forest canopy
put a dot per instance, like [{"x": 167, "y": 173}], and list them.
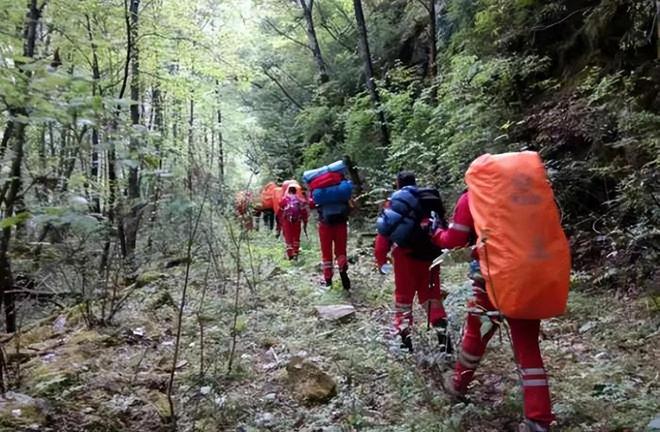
[{"x": 127, "y": 127}]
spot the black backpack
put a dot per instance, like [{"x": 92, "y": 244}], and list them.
[{"x": 401, "y": 222}]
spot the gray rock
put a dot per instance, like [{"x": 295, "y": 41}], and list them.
[
  {"x": 587, "y": 326},
  {"x": 18, "y": 409},
  {"x": 335, "y": 312},
  {"x": 265, "y": 419}
]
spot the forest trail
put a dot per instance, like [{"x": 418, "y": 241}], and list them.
[{"x": 115, "y": 378}]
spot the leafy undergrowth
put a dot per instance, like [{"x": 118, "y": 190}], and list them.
[{"x": 603, "y": 366}]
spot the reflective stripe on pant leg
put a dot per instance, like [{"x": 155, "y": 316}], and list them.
[
  {"x": 403, "y": 316},
  {"x": 469, "y": 361},
  {"x": 536, "y": 391},
  {"x": 474, "y": 343}
]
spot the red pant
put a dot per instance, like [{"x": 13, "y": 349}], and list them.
[
  {"x": 291, "y": 236},
  {"x": 330, "y": 235},
  {"x": 525, "y": 341},
  {"x": 412, "y": 277}
]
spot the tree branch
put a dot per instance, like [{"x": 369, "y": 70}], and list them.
[
  {"x": 284, "y": 34},
  {"x": 423, "y": 3},
  {"x": 281, "y": 87}
]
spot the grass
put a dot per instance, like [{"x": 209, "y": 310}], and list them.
[{"x": 611, "y": 367}]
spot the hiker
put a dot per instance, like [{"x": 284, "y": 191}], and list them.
[
  {"x": 243, "y": 209},
  {"x": 267, "y": 209},
  {"x": 482, "y": 319},
  {"x": 293, "y": 214},
  {"x": 413, "y": 277},
  {"x": 277, "y": 198},
  {"x": 331, "y": 196}
]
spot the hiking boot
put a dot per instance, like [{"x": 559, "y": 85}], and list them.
[
  {"x": 449, "y": 387},
  {"x": 531, "y": 426},
  {"x": 345, "y": 281},
  {"x": 444, "y": 341},
  {"x": 328, "y": 283},
  {"x": 406, "y": 340}
]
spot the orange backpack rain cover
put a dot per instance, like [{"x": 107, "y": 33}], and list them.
[
  {"x": 267, "y": 195},
  {"x": 523, "y": 251},
  {"x": 277, "y": 197}
]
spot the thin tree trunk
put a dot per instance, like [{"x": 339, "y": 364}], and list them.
[
  {"x": 160, "y": 128},
  {"x": 657, "y": 26},
  {"x": 96, "y": 76},
  {"x": 11, "y": 196},
  {"x": 307, "y": 7},
  {"x": 191, "y": 121},
  {"x": 131, "y": 221},
  {"x": 221, "y": 155},
  {"x": 9, "y": 130},
  {"x": 133, "y": 178},
  {"x": 433, "y": 54},
  {"x": 112, "y": 154},
  {"x": 369, "y": 72}
]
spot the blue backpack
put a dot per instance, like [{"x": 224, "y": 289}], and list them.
[
  {"x": 401, "y": 222},
  {"x": 333, "y": 194}
]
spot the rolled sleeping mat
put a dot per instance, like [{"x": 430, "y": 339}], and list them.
[
  {"x": 310, "y": 175},
  {"x": 333, "y": 194},
  {"x": 325, "y": 180}
]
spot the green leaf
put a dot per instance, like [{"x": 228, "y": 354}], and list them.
[{"x": 12, "y": 221}]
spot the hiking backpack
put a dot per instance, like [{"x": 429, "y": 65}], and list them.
[
  {"x": 333, "y": 194},
  {"x": 523, "y": 252},
  {"x": 402, "y": 221},
  {"x": 335, "y": 213},
  {"x": 293, "y": 208},
  {"x": 338, "y": 167}
]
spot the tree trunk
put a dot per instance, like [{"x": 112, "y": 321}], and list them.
[
  {"x": 159, "y": 126},
  {"x": 221, "y": 155},
  {"x": 94, "y": 167},
  {"x": 307, "y": 7},
  {"x": 131, "y": 221},
  {"x": 11, "y": 198},
  {"x": 191, "y": 121},
  {"x": 112, "y": 154},
  {"x": 355, "y": 175},
  {"x": 657, "y": 26},
  {"x": 433, "y": 51},
  {"x": 369, "y": 72},
  {"x": 133, "y": 178}
]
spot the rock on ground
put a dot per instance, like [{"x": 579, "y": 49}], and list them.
[
  {"x": 308, "y": 382},
  {"x": 335, "y": 312}
]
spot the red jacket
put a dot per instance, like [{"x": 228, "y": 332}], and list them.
[{"x": 460, "y": 232}]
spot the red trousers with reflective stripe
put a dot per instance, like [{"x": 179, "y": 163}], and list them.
[
  {"x": 333, "y": 237},
  {"x": 412, "y": 277},
  {"x": 291, "y": 236},
  {"x": 525, "y": 340}
]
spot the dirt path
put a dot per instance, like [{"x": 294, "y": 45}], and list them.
[{"x": 602, "y": 357}]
